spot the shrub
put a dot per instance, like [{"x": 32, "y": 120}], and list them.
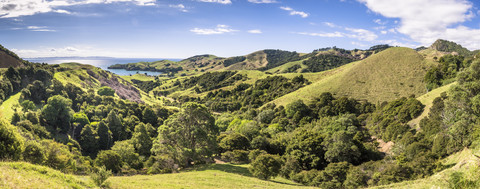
[
  {"x": 34, "y": 153},
  {"x": 110, "y": 159},
  {"x": 100, "y": 176},
  {"x": 266, "y": 166},
  {"x": 11, "y": 143},
  {"x": 235, "y": 156},
  {"x": 106, "y": 91}
]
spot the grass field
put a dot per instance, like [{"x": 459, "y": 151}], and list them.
[
  {"x": 6, "y": 108},
  {"x": 427, "y": 100},
  {"x": 25, "y": 175},
  {"x": 388, "y": 75},
  {"x": 209, "y": 176}
]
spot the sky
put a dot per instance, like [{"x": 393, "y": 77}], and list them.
[{"x": 184, "y": 28}]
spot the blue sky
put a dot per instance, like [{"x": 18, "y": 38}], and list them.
[{"x": 183, "y": 28}]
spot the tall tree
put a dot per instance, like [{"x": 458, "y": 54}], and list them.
[
  {"x": 115, "y": 125},
  {"x": 57, "y": 113},
  {"x": 141, "y": 140},
  {"x": 89, "y": 141},
  {"x": 188, "y": 135},
  {"x": 105, "y": 140}
]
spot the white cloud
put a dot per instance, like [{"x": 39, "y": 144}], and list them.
[
  {"x": 16, "y": 8},
  {"x": 424, "y": 21},
  {"x": 361, "y": 34},
  {"x": 39, "y": 29},
  {"x": 262, "y": 1},
  {"x": 333, "y": 34},
  {"x": 217, "y": 1},
  {"x": 294, "y": 12},
  {"x": 180, "y": 7},
  {"x": 354, "y": 33},
  {"x": 255, "y": 31},
  {"x": 329, "y": 24},
  {"x": 220, "y": 29}
]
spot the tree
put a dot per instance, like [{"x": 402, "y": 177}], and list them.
[
  {"x": 34, "y": 153},
  {"x": 141, "y": 140},
  {"x": 306, "y": 147},
  {"x": 149, "y": 116},
  {"x": 115, "y": 125},
  {"x": 11, "y": 143},
  {"x": 234, "y": 141},
  {"x": 126, "y": 150},
  {"x": 27, "y": 105},
  {"x": 188, "y": 135},
  {"x": 106, "y": 91},
  {"x": 89, "y": 141},
  {"x": 110, "y": 159},
  {"x": 57, "y": 113},
  {"x": 266, "y": 166},
  {"x": 80, "y": 118},
  {"x": 105, "y": 139}
]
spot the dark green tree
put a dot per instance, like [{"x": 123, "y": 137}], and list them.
[
  {"x": 89, "y": 141},
  {"x": 114, "y": 123},
  {"x": 266, "y": 166},
  {"x": 57, "y": 113},
  {"x": 188, "y": 136},
  {"x": 105, "y": 140},
  {"x": 141, "y": 140},
  {"x": 106, "y": 91}
]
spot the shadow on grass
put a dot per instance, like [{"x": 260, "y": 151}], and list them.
[
  {"x": 229, "y": 168},
  {"x": 235, "y": 169}
]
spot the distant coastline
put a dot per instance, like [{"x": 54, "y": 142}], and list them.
[{"x": 102, "y": 62}]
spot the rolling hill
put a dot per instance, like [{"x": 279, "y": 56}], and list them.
[
  {"x": 385, "y": 76},
  {"x": 9, "y": 58}
]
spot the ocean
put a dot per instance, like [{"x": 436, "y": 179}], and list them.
[{"x": 101, "y": 62}]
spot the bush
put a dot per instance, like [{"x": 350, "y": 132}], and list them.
[
  {"x": 11, "y": 143},
  {"x": 34, "y": 153},
  {"x": 106, "y": 91},
  {"x": 100, "y": 176},
  {"x": 160, "y": 164},
  {"x": 266, "y": 166},
  {"x": 235, "y": 156},
  {"x": 110, "y": 159}
]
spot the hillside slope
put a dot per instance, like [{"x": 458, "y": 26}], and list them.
[
  {"x": 210, "y": 176},
  {"x": 466, "y": 162},
  {"x": 388, "y": 75},
  {"x": 9, "y": 58},
  {"x": 26, "y": 175}
]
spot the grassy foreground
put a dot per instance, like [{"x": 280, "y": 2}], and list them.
[
  {"x": 26, "y": 175},
  {"x": 208, "y": 176}
]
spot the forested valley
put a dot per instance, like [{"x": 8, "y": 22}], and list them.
[{"x": 82, "y": 120}]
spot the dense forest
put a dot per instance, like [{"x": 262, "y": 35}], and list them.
[{"x": 329, "y": 142}]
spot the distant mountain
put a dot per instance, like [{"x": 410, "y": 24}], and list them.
[
  {"x": 451, "y": 47},
  {"x": 269, "y": 60},
  {"x": 9, "y": 58}
]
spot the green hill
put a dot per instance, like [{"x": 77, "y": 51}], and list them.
[
  {"x": 449, "y": 46},
  {"x": 388, "y": 75},
  {"x": 26, "y": 175},
  {"x": 208, "y": 176}
]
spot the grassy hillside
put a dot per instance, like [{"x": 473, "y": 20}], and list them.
[
  {"x": 466, "y": 161},
  {"x": 211, "y": 176},
  {"x": 427, "y": 100},
  {"x": 7, "y": 107},
  {"x": 9, "y": 58},
  {"x": 26, "y": 175},
  {"x": 388, "y": 75}
]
